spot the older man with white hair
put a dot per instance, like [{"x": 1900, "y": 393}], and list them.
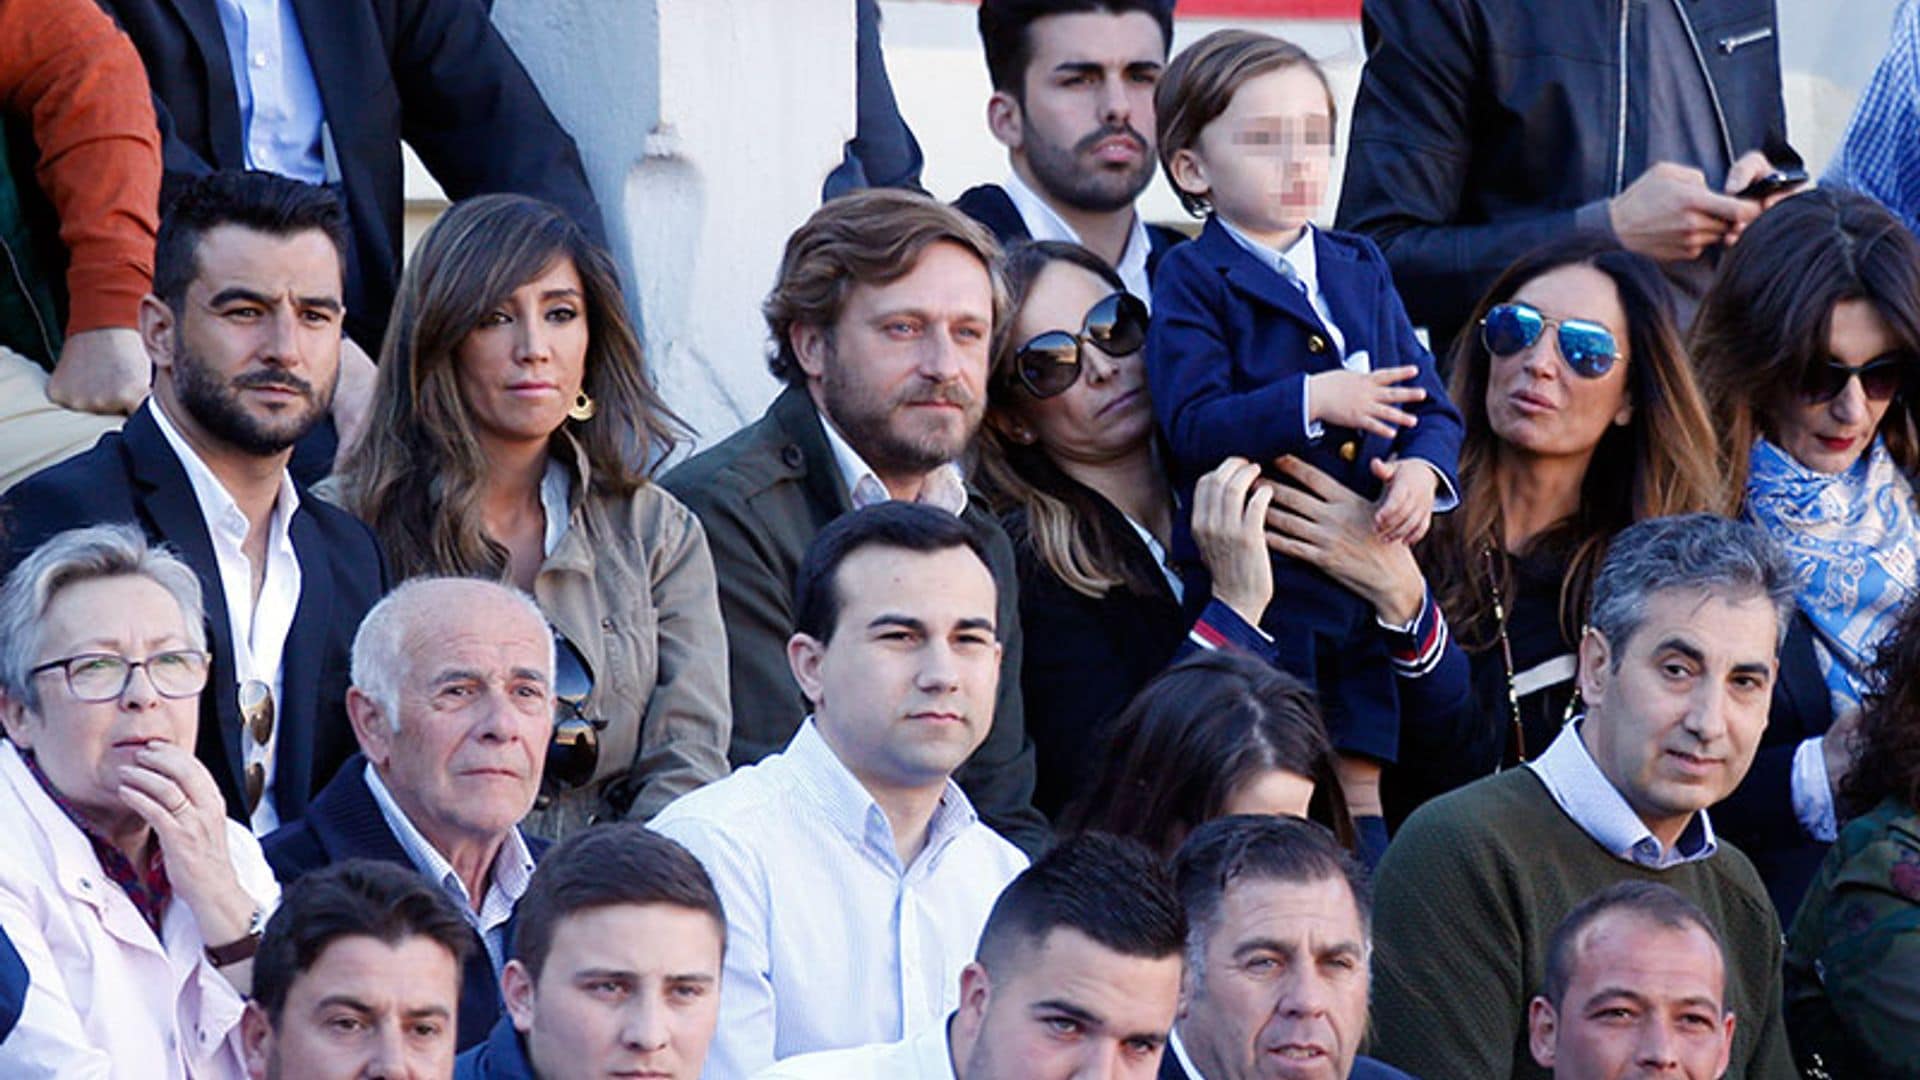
[{"x": 452, "y": 702}]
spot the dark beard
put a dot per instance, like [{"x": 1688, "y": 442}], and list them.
[
  {"x": 1060, "y": 174},
  {"x": 215, "y": 406},
  {"x": 865, "y": 426}
]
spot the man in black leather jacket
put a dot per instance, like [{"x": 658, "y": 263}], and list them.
[{"x": 1486, "y": 127}]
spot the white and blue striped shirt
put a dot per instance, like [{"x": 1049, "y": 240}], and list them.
[{"x": 831, "y": 942}]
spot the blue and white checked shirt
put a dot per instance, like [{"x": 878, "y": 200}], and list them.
[
  {"x": 1575, "y": 781},
  {"x": 1880, "y": 154},
  {"x": 831, "y": 942}
]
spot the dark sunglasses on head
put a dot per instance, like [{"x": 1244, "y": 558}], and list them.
[
  {"x": 574, "y": 750},
  {"x": 1880, "y": 378},
  {"x": 1049, "y": 364},
  {"x": 1587, "y": 347}
]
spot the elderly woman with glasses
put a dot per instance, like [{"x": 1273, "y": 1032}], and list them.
[
  {"x": 1808, "y": 345},
  {"x": 1069, "y": 457},
  {"x": 513, "y": 435},
  {"x": 134, "y": 902},
  {"x": 1582, "y": 417}
]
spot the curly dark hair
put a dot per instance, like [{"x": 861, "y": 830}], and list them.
[{"x": 1886, "y": 752}]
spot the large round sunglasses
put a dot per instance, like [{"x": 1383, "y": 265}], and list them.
[
  {"x": 1049, "y": 364},
  {"x": 1587, "y": 347},
  {"x": 1880, "y": 378}
]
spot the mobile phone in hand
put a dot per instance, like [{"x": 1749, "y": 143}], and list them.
[{"x": 1772, "y": 184}]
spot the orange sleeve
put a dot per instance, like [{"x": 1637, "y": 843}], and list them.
[{"x": 77, "y": 78}]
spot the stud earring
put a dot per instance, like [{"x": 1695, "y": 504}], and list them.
[{"x": 583, "y": 408}]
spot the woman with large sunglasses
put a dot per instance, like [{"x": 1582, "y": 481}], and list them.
[
  {"x": 514, "y": 428},
  {"x": 1068, "y": 455},
  {"x": 1582, "y": 417},
  {"x": 1807, "y": 345}
]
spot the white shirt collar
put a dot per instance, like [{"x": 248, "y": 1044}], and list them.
[
  {"x": 1300, "y": 254},
  {"x": 556, "y": 494},
  {"x": 944, "y": 488},
  {"x": 850, "y": 808},
  {"x": 1045, "y": 223},
  {"x": 1576, "y": 783},
  {"x": 217, "y": 505},
  {"x": 1180, "y": 1055}
]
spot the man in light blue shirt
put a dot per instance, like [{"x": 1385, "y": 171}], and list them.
[{"x": 855, "y": 875}]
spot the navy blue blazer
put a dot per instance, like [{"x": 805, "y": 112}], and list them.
[
  {"x": 1232, "y": 344},
  {"x": 132, "y": 476},
  {"x": 503, "y": 1056},
  {"x": 1364, "y": 1068},
  {"x": 13, "y": 985},
  {"x": 345, "y": 823}
]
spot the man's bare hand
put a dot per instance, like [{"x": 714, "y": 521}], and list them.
[
  {"x": 103, "y": 371},
  {"x": 1752, "y": 166},
  {"x": 1670, "y": 214},
  {"x": 352, "y": 398}
]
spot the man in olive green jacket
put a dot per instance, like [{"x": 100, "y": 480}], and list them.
[{"x": 881, "y": 324}]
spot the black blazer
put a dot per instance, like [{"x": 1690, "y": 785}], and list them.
[
  {"x": 1364, "y": 1068},
  {"x": 133, "y": 476},
  {"x": 434, "y": 72},
  {"x": 1758, "y": 817},
  {"x": 990, "y": 205},
  {"x": 345, "y": 823}
]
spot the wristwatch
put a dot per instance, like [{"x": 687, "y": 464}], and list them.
[{"x": 235, "y": 951}]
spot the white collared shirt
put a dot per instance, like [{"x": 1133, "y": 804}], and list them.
[
  {"x": 1179, "y": 1053},
  {"x": 926, "y": 1056},
  {"x": 1045, "y": 223},
  {"x": 506, "y": 881},
  {"x": 282, "y": 118},
  {"x": 1576, "y": 783},
  {"x": 945, "y": 488},
  {"x": 831, "y": 941},
  {"x": 259, "y": 627}
]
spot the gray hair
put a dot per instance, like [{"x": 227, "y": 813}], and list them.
[
  {"x": 380, "y": 652},
  {"x": 1707, "y": 553},
  {"x": 72, "y": 557},
  {"x": 1258, "y": 847}
]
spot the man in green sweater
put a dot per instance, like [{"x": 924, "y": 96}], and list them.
[{"x": 1677, "y": 668}]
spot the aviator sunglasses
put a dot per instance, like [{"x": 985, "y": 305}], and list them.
[
  {"x": 574, "y": 751},
  {"x": 1587, "y": 347},
  {"x": 1049, "y": 364},
  {"x": 1880, "y": 378}
]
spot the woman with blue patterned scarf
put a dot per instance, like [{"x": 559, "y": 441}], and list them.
[{"x": 1809, "y": 347}]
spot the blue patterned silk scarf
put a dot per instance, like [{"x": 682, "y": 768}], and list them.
[{"x": 1853, "y": 538}]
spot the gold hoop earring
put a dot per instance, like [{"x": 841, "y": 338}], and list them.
[{"x": 583, "y": 408}]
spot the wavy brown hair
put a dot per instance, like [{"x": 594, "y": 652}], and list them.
[
  {"x": 1886, "y": 751},
  {"x": 1661, "y": 462},
  {"x": 1064, "y": 521},
  {"x": 419, "y": 475},
  {"x": 1765, "y": 322}
]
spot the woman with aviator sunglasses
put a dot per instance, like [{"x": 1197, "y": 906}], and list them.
[
  {"x": 1068, "y": 456},
  {"x": 1807, "y": 345},
  {"x": 514, "y": 429},
  {"x": 1582, "y": 416}
]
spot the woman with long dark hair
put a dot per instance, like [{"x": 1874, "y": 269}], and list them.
[
  {"x": 1213, "y": 735},
  {"x": 1582, "y": 417},
  {"x": 1808, "y": 346},
  {"x": 514, "y": 429}
]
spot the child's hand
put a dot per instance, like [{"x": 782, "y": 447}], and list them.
[
  {"x": 1406, "y": 506},
  {"x": 1364, "y": 400}
]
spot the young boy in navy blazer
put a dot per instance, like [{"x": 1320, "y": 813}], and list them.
[{"x": 1273, "y": 338}]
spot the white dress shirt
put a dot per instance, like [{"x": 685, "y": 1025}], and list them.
[
  {"x": 105, "y": 996},
  {"x": 281, "y": 116},
  {"x": 831, "y": 942},
  {"x": 944, "y": 488},
  {"x": 258, "y": 628},
  {"x": 506, "y": 882},
  {"x": 926, "y": 1056},
  {"x": 1044, "y": 223},
  {"x": 1576, "y": 783}
]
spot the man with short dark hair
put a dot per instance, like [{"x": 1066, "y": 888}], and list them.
[
  {"x": 357, "y": 975},
  {"x": 452, "y": 704},
  {"x": 881, "y": 323},
  {"x": 616, "y": 964},
  {"x": 855, "y": 873},
  {"x": 1676, "y": 667},
  {"x": 1072, "y": 102},
  {"x": 243, "y": 327},
  {"x": 1077, "y": 975},
  {"x": 1279, "y": 940},
  {"x": 1636, "y": 985}
]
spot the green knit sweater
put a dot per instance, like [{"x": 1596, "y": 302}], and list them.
[{"x": 1467, "y": 898}]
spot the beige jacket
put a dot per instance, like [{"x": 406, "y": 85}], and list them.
[{"x": 631, "y": 585}]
